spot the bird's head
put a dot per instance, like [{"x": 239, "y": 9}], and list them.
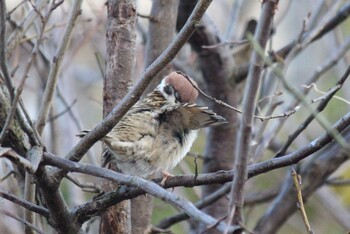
[{"x": 177, "y": 89}]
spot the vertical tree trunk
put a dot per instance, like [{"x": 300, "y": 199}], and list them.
[
  {"x": 120, "y": 64},
  {"x": 160, "y": 34}
]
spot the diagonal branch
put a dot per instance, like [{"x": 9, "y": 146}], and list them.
[
  {"x": 92, "y": 208},
  {"x": 134, "y": 94},
  {"x": 148, "y": 186},
  {"x": 27, "y": 224},
  {"x": 339, "y": 18},
  {"x": 55, "y": 67},
  {"x": 311, "y": 117},
  {"x": 30, "y": 206}
]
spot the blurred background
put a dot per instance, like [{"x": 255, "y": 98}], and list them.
[{"x": 78, "y": 102}]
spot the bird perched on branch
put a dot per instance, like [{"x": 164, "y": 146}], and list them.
[{"x": 158, "y": 131}]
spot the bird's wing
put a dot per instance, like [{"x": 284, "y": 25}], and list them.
[
  {"x": 194, "y": 117},
  {"x": 134, "y": 134}
]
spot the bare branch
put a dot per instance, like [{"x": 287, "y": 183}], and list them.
[
  {"x": 338, "y": 182},
  {"x": 134, "y": 94},
  {"x": 3, "y": 60},
  {"x": 335, "y": 21},
  {"x": 323, "y": 164},
  {"x": 88, "y": 187},
  {"x": 311, "y": 117},
  {"x": 27, "y": 224},
  {"x": 100, "y": 203},
  {"x": 27, "y": 205},
  {"x": 17, "y": 159},
  {"x": 147, "y": 186},
  {"x": 297, "y": 183},
  {"x": 208, "y": 200},
  {"x": 262, "y": 34},
  {"x": 55, "y": 67}
]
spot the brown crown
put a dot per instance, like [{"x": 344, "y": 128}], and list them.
[{"x": 187, "y": 92}]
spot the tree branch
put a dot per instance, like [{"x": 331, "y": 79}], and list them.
[
  {"x": 147, "y": 186},
  {"x": 55, "y": 67},
  {"x": 282, "y": 53},
  {"x": 250, "y": 93},
  {"x": 27, "y": 205},
  {"x": 85, "y": 211},
  {"x": 134, "y": 94},
  {"x": 322, "y": 105},
  {"x": 314, "y": 175}
]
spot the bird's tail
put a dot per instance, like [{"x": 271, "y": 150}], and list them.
[
  {"x": 202, "y": 117},
  {"x": 83, "y": 133}
]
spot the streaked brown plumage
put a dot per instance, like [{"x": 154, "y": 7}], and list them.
[{"x": 158, "y": 131}]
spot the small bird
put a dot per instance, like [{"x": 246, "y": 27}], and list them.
[{"x": 159, "y": 130}]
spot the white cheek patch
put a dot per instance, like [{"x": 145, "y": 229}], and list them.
[{"x": 170, "y": 98}]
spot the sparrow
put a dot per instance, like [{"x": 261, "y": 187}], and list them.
[{"x": 159, "y": 130}]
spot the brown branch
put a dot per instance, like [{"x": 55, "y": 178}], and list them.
[
  {"x": 134, "y": 94},
  {"x": 92, "y": 208},
  {"x": 251, "y": 90}
]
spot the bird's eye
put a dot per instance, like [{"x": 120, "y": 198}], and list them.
[
  {"x": 168, "y": 90},
  {"x": 177, "y": 96}
]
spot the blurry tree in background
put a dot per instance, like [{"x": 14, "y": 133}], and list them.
[{"x": 280, "y": 165}]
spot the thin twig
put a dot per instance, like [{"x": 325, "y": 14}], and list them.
[
  {"x": 338, "y": 182},
  {"x": 88, "y": 187},
  {"x": 231, "y": 32},
  {"x": 208, "y": 200},
  {"x": 226, "y": 43},
  {"x": 27, "y": 224},
  {"x": 313, "y": 115},
  {"x": 68, "y": 109},
  {"x": 9, "y": 13},
  {"x": 7, "y": 176},
  {"x": 14, "y": 157},
  {"x": 297, "y": 183},
  {"x": 17, "y": 96},
  {"x": 213, "y": 225},
  {"x": 224, "y": 104},
  {"x": 100, "y": 66},
  {"x": 313, "y": 85},
  {"x": 319, "y": 71},
  {"x": 55, "y": 67},
  {"x": 195, "y": 168},
  {"x": 151, "y": 18},
  {"x": 37, "y": 11}
]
